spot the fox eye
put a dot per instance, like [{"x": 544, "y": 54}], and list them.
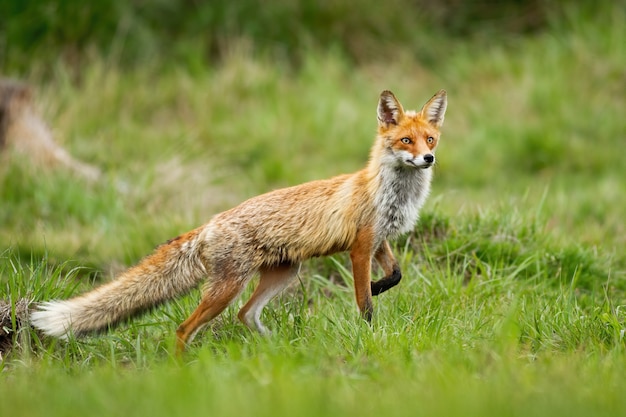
[
  {"x": 406, "y": 141},
  {"x": 430, "y": 139}
]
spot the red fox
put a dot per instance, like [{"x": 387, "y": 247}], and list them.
[{"x": 273, "y": 233}]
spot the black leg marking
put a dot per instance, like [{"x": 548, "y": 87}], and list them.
[{"x": 383, "y": 284}]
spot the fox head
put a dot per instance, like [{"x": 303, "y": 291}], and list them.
[{"x": 409, "y": 139}]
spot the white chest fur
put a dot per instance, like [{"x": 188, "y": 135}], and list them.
[{"x": 401, "y": 195}]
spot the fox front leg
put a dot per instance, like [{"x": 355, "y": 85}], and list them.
[
  {"x": 361, "y": 257},
  {"x": 390, "y": 267}
]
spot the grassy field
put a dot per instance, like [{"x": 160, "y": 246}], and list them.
[{"x": 514, "y": 292}]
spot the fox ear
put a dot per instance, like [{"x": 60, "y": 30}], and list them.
[
  {"x": 435, "y": 109},
  {"x": 390, "y": 111}
]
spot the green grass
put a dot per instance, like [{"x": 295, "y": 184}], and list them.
[{"x": 514, "y": 293}]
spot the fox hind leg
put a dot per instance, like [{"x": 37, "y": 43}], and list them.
[
  {"x": 215, "y": 299},
  {"x": 272, "y": 281}
]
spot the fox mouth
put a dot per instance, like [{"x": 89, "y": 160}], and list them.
[{"x": 424, "y": 165}]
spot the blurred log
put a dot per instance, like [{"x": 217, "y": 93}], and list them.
[
  {"x": 23, "y": 131},
  {"x": 12, "y": 320}
]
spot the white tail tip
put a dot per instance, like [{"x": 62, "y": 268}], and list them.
[{"x": 53, "y": 318}]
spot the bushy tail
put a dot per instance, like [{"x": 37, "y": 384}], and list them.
[{"x": 172, "y": 270}]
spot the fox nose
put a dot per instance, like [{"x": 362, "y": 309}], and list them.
[{"x": 429, "y": 158}]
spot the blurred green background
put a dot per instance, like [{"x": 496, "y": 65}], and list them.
[
  {"x": 184, "y": 33},
  {"x": 251, "y": 95}
]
